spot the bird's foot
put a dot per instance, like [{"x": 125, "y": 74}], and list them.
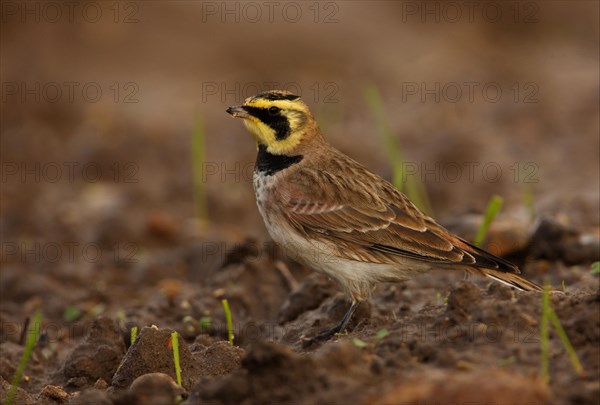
[
  {"x": 326, "y": 334},
  {"x": 321, "y": 337}
]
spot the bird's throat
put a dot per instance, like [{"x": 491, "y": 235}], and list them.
[{"x": 269, "y": 164}]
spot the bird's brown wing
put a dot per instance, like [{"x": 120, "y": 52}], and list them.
[{"x": 371, "y": 221}]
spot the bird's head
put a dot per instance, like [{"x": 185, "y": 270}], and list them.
[{"x": 279, "y": 120}]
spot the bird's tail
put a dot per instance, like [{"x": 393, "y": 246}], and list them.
[
  {"x": 494, "y": 267},
  {"x": 510, "y": 279}
]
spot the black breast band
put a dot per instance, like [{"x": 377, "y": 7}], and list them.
[{"x": 269, "y": 164}]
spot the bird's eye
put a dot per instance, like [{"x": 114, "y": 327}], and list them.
[{"x": 274, "y": 110}]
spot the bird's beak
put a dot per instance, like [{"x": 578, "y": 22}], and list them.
[{"x": 238, "y": 111}]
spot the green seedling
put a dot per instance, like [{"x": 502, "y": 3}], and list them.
[
  {"x": 381, "y": 333},
  {"x": 229, "y": 321},
  {"x": 198, "y": 160},
  {"x": 549, "y": 317},
  {"x": 529, "y": 201},
  {"x": 120, "y": 315},
  {"x": 359, "y": 343},
  {"x": 71, "y": 314},
  {"x": 32, "y": 338},
  {"x": 175, "y": 343},
  {"x": 414, "y": 189},
  {"x": 595, "y": 269},
  {"x": 491, "y": 211},
  {"x": 506, "y": 362},
  {"x": 133, "y": 335},
  {"x": 205, "y": 322}
]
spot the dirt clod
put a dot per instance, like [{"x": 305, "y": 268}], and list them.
[
  {"x": 462, "y": 298},
  {"x": 155, "y": 388},
  {"x": 219, "y": 359},
  {"x": 556, "y": 240},
  {"x": 97, "y": 356},
  {"x": 152, "y": 353},
  {"x": 309, "y": 295},
  {"x": 54, "y": 393}
]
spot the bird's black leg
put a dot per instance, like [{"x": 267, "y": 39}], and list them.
[{"x": 326, "y": 334}]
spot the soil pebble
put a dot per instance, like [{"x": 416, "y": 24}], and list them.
[
  {"x": 155, "y": 388},
  {"x": 53, "y": 394}
]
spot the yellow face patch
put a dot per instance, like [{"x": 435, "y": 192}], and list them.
[{"x": 294, "y": 112}]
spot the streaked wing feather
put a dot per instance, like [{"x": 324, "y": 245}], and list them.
[
  {"x": 371, "y": 221},
  {"x": 371, "y": 217}
]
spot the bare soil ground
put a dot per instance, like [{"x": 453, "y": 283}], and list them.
[{"x": 101, "y": 231}]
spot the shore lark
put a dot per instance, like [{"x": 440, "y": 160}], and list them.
[{"x": 337, "y": 217}]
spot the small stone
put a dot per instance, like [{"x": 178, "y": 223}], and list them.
[
  {"x": 156, "y": 388},
  {"x": 100, "y": 384},
  {"x": 55, "y": 393},
  {"x": 161, "y": 224}
]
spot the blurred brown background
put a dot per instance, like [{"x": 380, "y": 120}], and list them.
[{"x": 100, "y": 100}]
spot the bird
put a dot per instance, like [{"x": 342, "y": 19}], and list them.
[{"x": 339, "y": 218}]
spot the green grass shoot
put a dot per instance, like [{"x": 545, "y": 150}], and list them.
[
  {"x": 71, "y": 314},
  {"x": 30, "y": 342},
  {"x": 507, "y": 361},
  {"x": 595, "y": 268},
  {"x": 229, "y": 321},
  {"x": 120, "y": 315},
  {"x": 529, "y": 201},
  {"x": 381, "y": 333},
  {"x": 205, "y": 322},
  {"x": 133, "y": 335},
  {"x": 493, "y": 208},
  {"x": 361, "y": 344},
  {"x": 175, "y": 342},
  {"x": 414, "y": 189},
  {"x": 549, "y": 317},
  {"x": 198, "y": 162}
]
